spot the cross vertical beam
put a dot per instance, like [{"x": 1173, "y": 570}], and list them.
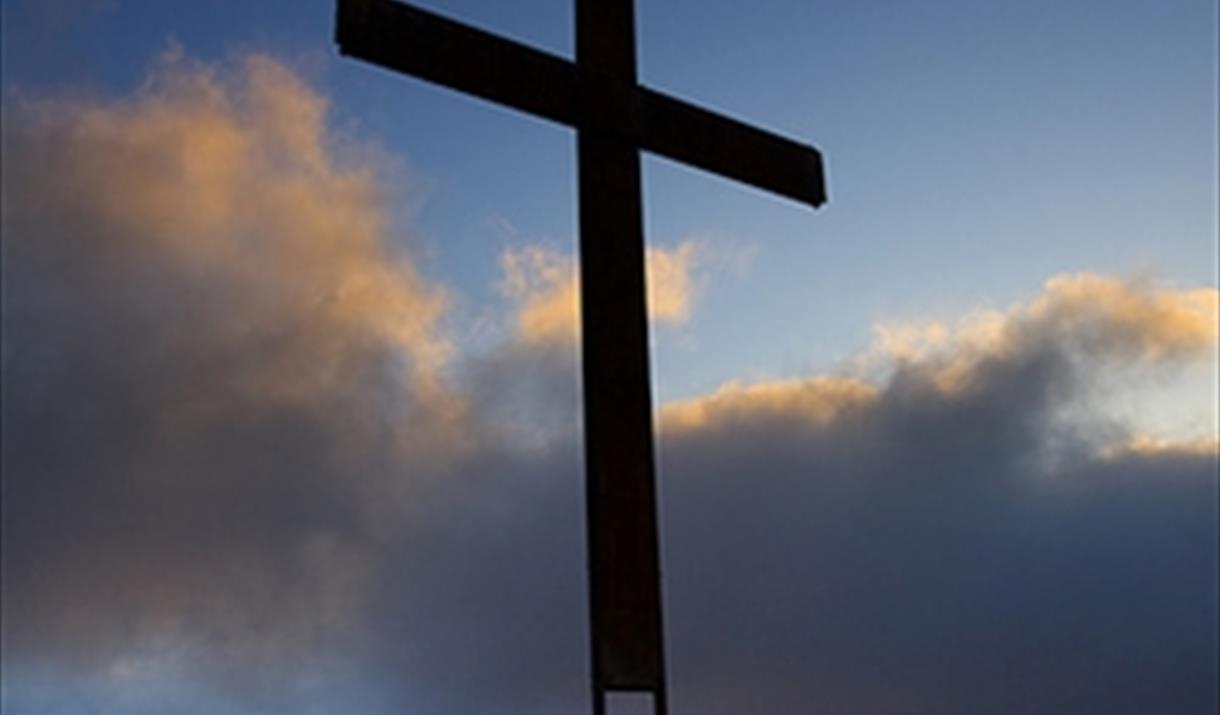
[
  {"x": 620, "y": 489},
  {"x": 624, "y": 568}
]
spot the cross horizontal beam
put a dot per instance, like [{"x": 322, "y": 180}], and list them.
[{"x": 434, "y": 48}]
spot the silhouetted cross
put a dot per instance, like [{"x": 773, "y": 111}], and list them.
[{"x": 614, "y": 118}]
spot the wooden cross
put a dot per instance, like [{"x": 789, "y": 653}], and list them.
[{"x": 614, "y": 118}]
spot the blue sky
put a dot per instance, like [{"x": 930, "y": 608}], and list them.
[{"x": 291, "y": 417}]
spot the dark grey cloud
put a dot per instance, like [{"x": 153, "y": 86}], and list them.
[
  {"x": 242, "y": 472},
  {"x": 925, "y": 550},
  {"x": 919, "y": 560}
]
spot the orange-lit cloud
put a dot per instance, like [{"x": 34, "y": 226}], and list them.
[
  {"x": 1104, "y": 320},
  {"x": 816, "y": 401},
  {"x": 234, "y": 180},
  {"x": 1149, "y": 445},
  {"x": 1117, "y": 320},
  {"x": 544, "y": 286}
]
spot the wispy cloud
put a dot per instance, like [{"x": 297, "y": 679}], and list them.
[
  {"x": 1086, "y": 315},
  {"x": 544, "y": 286}
]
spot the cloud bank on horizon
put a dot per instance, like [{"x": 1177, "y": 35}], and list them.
[{"x": 246, "y": 470}]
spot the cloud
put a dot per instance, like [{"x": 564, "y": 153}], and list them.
[
  {"x": 245, "y": 471},
  {"x": 1077, "y": 326},
  {"x": 216, "y": 361},
  {"x": 1082, "y": 316},
  {"x": 1137, "y": 445},
  {"x": 234, "y": 184},
  {"x": 545, "y": 288},
  {"x": 818, "y": 400}
]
